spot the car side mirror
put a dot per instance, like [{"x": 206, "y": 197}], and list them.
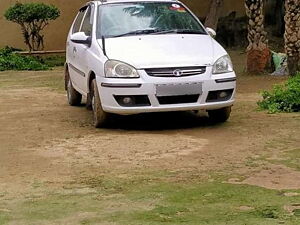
[
  {"x": 81, "y": 38},
  {"x": 211, "y": 32}
]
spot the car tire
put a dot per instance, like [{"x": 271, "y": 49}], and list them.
[
  {"x": 100, "y": 116},
  {"x": 219, "y": 115},
  {"x": 74, "y": 97},
  {"x": 89, "y": 101}
]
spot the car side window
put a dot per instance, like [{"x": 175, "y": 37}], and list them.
[
  {"x": 78, "y": 21},
  {"x": 87, "y": 24}
]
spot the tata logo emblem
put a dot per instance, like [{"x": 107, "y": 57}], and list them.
[{"x": 177, "y": 73}]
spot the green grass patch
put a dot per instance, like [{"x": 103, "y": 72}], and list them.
[
  {"x": 53, "y": 61},
  {"x": 55, "y": 207},
  {"x": 4, "y": 218},
  {"x": 150, "y": 200},
  {"x": 213, "y": 203},
  {"x": 283, "y": 98}
]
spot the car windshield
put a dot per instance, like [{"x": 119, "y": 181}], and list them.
[{"x": 126, "y": 19}]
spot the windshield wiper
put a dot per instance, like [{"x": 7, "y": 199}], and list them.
[
  {"x": 181, "y": 31},
  {"x": 138, "y": 32},
  {"x": 159, "y": 31}
]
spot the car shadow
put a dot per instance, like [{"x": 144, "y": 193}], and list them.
[{"x": 160, "y": 121}]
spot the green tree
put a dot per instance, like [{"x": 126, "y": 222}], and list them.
[{"x": 33, "y": 18}]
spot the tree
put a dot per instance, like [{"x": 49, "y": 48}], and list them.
[
  {"x": 258, "y": 53},
  {"x": 33, "y": 18},
  {"x": 292, "y": 35},
  {"x": 214, "y": 14}
]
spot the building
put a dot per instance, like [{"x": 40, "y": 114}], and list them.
[{"x": 56, "y": 32}]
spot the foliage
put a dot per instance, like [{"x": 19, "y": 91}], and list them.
[
  {"x": 283, "y": 98},
  {"x": 53, "y": 61},
  {"x": 33, "y": 18},
  {"x": 14, "y": 61}
]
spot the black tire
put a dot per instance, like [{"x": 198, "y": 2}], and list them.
[
  {"x": 220, "y": 115},
  {"x": 89, "y": 101},
  {"x": 74, "y": 97},
  {"x": 100, "y": 117}
]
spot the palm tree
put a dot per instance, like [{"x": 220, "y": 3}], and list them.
[
  {"x": 258, "y": 53},
  {"x": 292, "y": 35}
]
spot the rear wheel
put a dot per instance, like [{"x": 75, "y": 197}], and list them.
[
  {"x": 74, "y": 97},
  {"x": 100, "y": 117},
  {"x": 220, "y": 115}
]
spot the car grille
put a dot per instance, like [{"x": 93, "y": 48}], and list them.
[{"x": 176, "y": 72}]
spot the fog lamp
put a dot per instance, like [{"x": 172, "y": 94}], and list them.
[
  {"x": 223, "y": 94},
  {"x": 127, "y": 100}
]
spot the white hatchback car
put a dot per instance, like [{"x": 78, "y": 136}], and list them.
[{"x": 138, "y": 56}]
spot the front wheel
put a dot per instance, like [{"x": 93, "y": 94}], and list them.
[
  {"x": 100, "y": 117},
  {"x": 220, "y": 115}
]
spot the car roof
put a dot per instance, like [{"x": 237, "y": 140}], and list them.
[{"x": 120, "y": 1}]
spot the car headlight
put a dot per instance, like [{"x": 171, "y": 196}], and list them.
[
  {"x": 117, "y": 69},
  {"x": 223, "y": 65}
]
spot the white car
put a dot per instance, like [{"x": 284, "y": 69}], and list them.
[{"x": 137, "y": 56}]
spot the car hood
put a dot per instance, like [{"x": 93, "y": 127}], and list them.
[{"x": 161, "y": 50}]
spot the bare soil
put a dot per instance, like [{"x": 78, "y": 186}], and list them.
[{"x": 45, "y": 141}]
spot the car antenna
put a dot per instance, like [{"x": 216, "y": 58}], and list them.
[{"x": 103, "y": 46}]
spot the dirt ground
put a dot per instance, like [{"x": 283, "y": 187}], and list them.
[{"x": 45, "y": 141}]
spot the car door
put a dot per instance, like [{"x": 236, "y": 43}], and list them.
[
  {"x": 77, "y": 76},
  {"x": 82, "y": 51}
]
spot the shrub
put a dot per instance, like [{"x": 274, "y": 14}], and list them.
[
  {"x": 283, "y": 98},
  {"x": 14, "y": 61},
  {"x": 33, "y": 18}
]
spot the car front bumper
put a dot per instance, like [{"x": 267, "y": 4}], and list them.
[{"x": 146, "y": 85}]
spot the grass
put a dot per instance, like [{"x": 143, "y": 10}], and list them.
[
  {"x": 290, "y": 159},
  {"x": 54, "y": 60},
  {"x": 49, "y": 79},
  {"x": 3, "y": 218},
  {"x": 286, "y": 149},
  {"x": 211, "y": 203},
  {"x": 53, "y": 79},
  {"x": 148, "y": 201}
]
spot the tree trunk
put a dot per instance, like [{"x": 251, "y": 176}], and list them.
[
  {"x": 258, "y": 52},
  {"x": 214, "y": 14},
  {"x": 279, "y": 13},
  {"x": 292, "y": 35}
]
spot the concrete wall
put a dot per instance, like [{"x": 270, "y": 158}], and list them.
[{"x": 56, "y": 32}]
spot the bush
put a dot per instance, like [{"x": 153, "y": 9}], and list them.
[
  {"x": 33, "y": 18},
  {"x": 283, "y": 98},
  {"x": 14, "y": 61}
]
